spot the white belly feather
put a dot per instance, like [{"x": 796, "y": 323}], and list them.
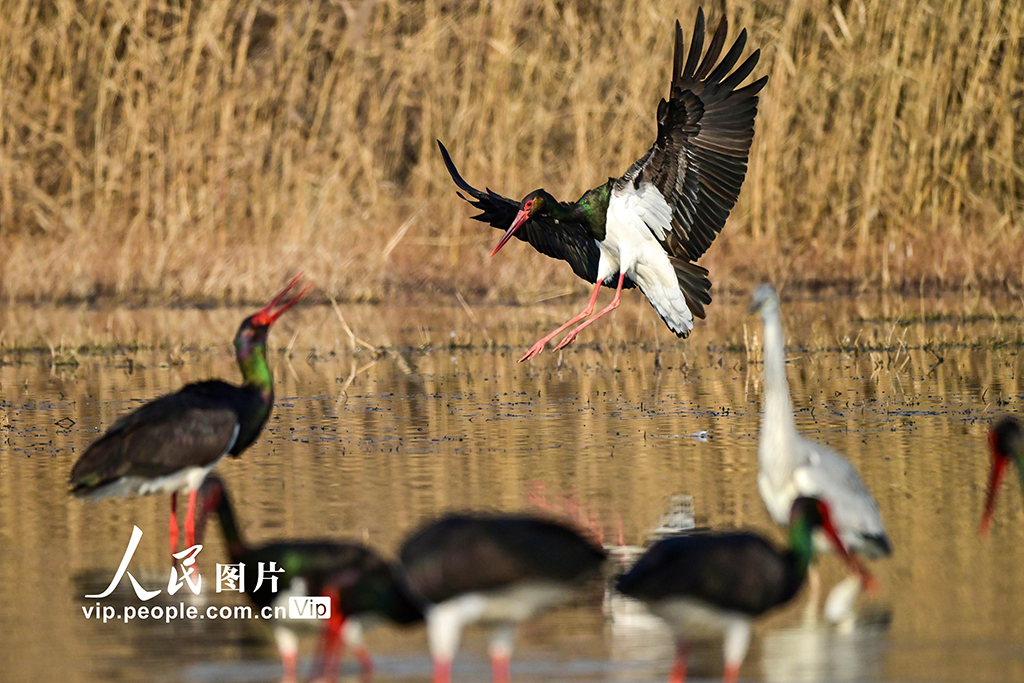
[{"x": 637, "y": 220}]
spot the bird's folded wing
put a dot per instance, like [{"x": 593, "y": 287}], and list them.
[{"x": 162, "y": 437}]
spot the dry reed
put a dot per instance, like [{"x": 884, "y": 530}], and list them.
[{"x": 191, "y": 150}]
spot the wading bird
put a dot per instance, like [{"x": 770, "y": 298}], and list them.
[
  {"x": 648, "y": 227},
  {"x": 717, "y": 583},
  {"x": 499, "y": 569},
  {"x": 363, "y": 588},
  {"x": 171, "y": 444},
  {"x": 791, "y": 466},
  {"x": 1006, "y": 441}
]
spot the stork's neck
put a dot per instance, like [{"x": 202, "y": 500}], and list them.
[
  {"x": 232, "y": 536},
  {"x": 801, "y": 548},
  {"x": 592, "y": 209},
  {"x": 778, "y": 428},
  {"x": 252, "y": 361}
]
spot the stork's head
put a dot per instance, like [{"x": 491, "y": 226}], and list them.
[
  {"x": 533, "y": 205},
  {"x": 1006, "y": 442}
]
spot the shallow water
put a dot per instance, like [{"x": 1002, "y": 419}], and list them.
[{"x": 367, "y": 444}]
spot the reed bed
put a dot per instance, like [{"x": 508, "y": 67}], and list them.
[{"x": 193, "y": 151}]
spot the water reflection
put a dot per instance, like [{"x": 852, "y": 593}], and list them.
[{"x": 365, "y": 446}]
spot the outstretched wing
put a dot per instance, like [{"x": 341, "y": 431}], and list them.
[
  {"x": 566, "y": 241},
  {"x": 699, "y": 160}
]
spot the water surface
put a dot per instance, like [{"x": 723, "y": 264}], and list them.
[{"x": 367, "y": 443}]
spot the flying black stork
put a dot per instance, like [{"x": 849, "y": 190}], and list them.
[
  {"x": 1006, "y": 441},
  {"x": 705, "y": 584},
  {"x": 170, "y": 444},
  {"x": 791, "y": 465},
  {"x": 648, "y": 227},
  {"x": 499, "y": 569},
  {"x": 363, "y": 588}
]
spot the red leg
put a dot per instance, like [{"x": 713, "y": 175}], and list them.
[
  {"x": 174, "y": 524},
  {"x": 678, "y": 673},
  {"x": 362, "y": 655},
  {"x": 332, "y": 647},
  {"x": 732, "y": 673},
  {"x": 500, "y": 669},
  {"x": 290, "y": 662},
  {"x": 442, "y": 671},
  {"x": 190, "y": 520},
  {"x": 571, "y": 337},
  {"x": 539, "y": 346}
]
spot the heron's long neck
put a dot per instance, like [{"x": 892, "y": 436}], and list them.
[{"x": 778, "y": 428}]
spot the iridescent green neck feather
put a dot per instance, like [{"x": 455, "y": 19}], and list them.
[
  {"x": 251, "y": 352},
  {"x": 801, "y": 543},
  {"x": 592, "y": 209}
]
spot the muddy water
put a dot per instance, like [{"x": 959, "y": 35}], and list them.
[{"x": 365, "y": 444}]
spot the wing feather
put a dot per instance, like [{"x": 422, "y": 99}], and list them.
[
  {"x": 566, "y": 241},
  {"x": 164, "y": 436},
  {"x": 705, "y": 130}
]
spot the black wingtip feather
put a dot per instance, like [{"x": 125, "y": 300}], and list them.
[
  {"x": 696, "y": 47},
  {"x": 714, "y": 50},
  {"x": 677, "y": 56},
  {"x": 730, "y": 58},
  {"x": 741, "y": 72}
]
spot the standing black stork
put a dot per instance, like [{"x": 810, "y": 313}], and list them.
[
  {"x": 362, "y": 587},
  {"x": 171, "y": 444},
  {"x": 649, "y": 226},
  {"x": 1006, "y": 441},
  {"x": 717, "y": 583},
  {"x": 500, "y": 569}
]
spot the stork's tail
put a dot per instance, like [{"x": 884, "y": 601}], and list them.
[{"x": 694, "y": 283}]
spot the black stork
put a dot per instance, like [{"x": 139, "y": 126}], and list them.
[
  {"x": 361, "y": 585},
  {"x": 648, "y": 227},
  {"x": 1006, "y": 441},
  {"x": 499, "y": 569},
  {"x": 717, "y": 583},
  {"x": 170, "y": 444}
]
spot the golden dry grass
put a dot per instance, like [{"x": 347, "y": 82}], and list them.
[{"x": 195, "y": 150}]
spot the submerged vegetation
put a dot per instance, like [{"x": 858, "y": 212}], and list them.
[{"x": 195, "y": 149}]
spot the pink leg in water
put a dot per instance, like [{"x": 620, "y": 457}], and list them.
[
  {"x": 332, "y": 647},
  {"x": 539, "y": 346},
  {"x": 501, "y": 669},
  {"x": 678, "y": 673},
  {"x": 174, "y": 523},
  {"x": 442, "y": 671},
  {"x": 571, "y": 337},
  {"x": 362, "y": 655},
  {"x": 290, "y": 662},
  {"x": 732, "y": 673}
]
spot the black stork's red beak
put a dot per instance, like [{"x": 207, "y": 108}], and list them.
[
  {"x": 521, "y": 217},
  {"x": 867, "y": 581},
  {"x": 999, "y": 463},
  {"x": 268, "y": 315}
]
